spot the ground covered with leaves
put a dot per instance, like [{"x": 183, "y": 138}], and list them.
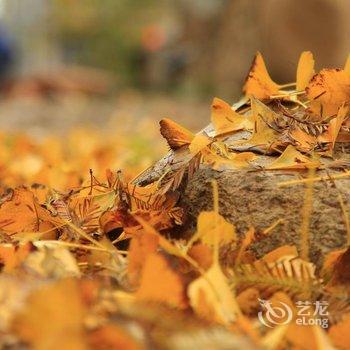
[{"x": 93, "y": 257}]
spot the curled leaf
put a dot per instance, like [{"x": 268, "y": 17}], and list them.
[{"x": 175, "y": 134}]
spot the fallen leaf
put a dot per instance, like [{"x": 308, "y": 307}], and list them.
[
  {"x": 304, "y": 141},
  {"x": 13, "y": 255},
  {"x": 335, "y": 125},
  {"x": 305, "y": 70},
  {"x": 169, "y": 289},
  {"x": 213, "y": 229},
  {"x": 53, "y": 317},
  {"x": 176, "y": 135},
  {"x": 211, "y": 297},
  {"x": 258, "y": 83},
  {"x": 198, "y": 143},
  {"x": 142, "y": 245},
  {"x": 293, "y": 159},
  {"x": 327, "y": 91},
  {"x": 226, "y": 120},
  {"x": 21, "y": 205}
]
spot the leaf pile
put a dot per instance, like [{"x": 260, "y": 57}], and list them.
[{"x": 88, "y": 255}]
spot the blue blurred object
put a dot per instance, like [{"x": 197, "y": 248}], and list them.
[{"x": 7, "y": 54}]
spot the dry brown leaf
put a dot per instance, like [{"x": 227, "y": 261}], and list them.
[{"x": 258, "y": 83}]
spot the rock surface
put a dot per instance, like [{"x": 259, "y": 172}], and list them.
[{"x": 255, "y": 198}]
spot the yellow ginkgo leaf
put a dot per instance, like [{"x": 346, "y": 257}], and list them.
[
  {"x": 226, "y": 120},
  {"x": 212, "y": 298},
  {"x": 305, "y": 70},
  {"x": 293, "y": 159},
  {"x": 199, "y": 143},
  {"x": 212, "y": 228},
  {"x": 258, "y": 83},
  {"x": 235, "y": 161},
  {"x": 263, "y": 115}
]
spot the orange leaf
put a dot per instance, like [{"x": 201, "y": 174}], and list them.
[
  {"x": 292, "y": 159},
  {"x": 202, "y": 254},
  {"x": 53, "y": 318},
  {"x": 258, "y": 83},
  {"x": 142, "y": 245},
  {"x": 225, "y": 119},
  {"x": 304, "y": 142},
  {"x": 339, "y": 333},
  {"x": 19, "y": 213},
  {"x": 160, "y": 283},
  {"x": 212, "y": 228},
  {"x": 12, "y": 256},
  {"x": 175, "y": 134},
  {"x": 327, "y": 91}
]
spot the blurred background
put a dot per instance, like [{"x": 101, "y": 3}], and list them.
[{"x": 74, "y": 62}]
